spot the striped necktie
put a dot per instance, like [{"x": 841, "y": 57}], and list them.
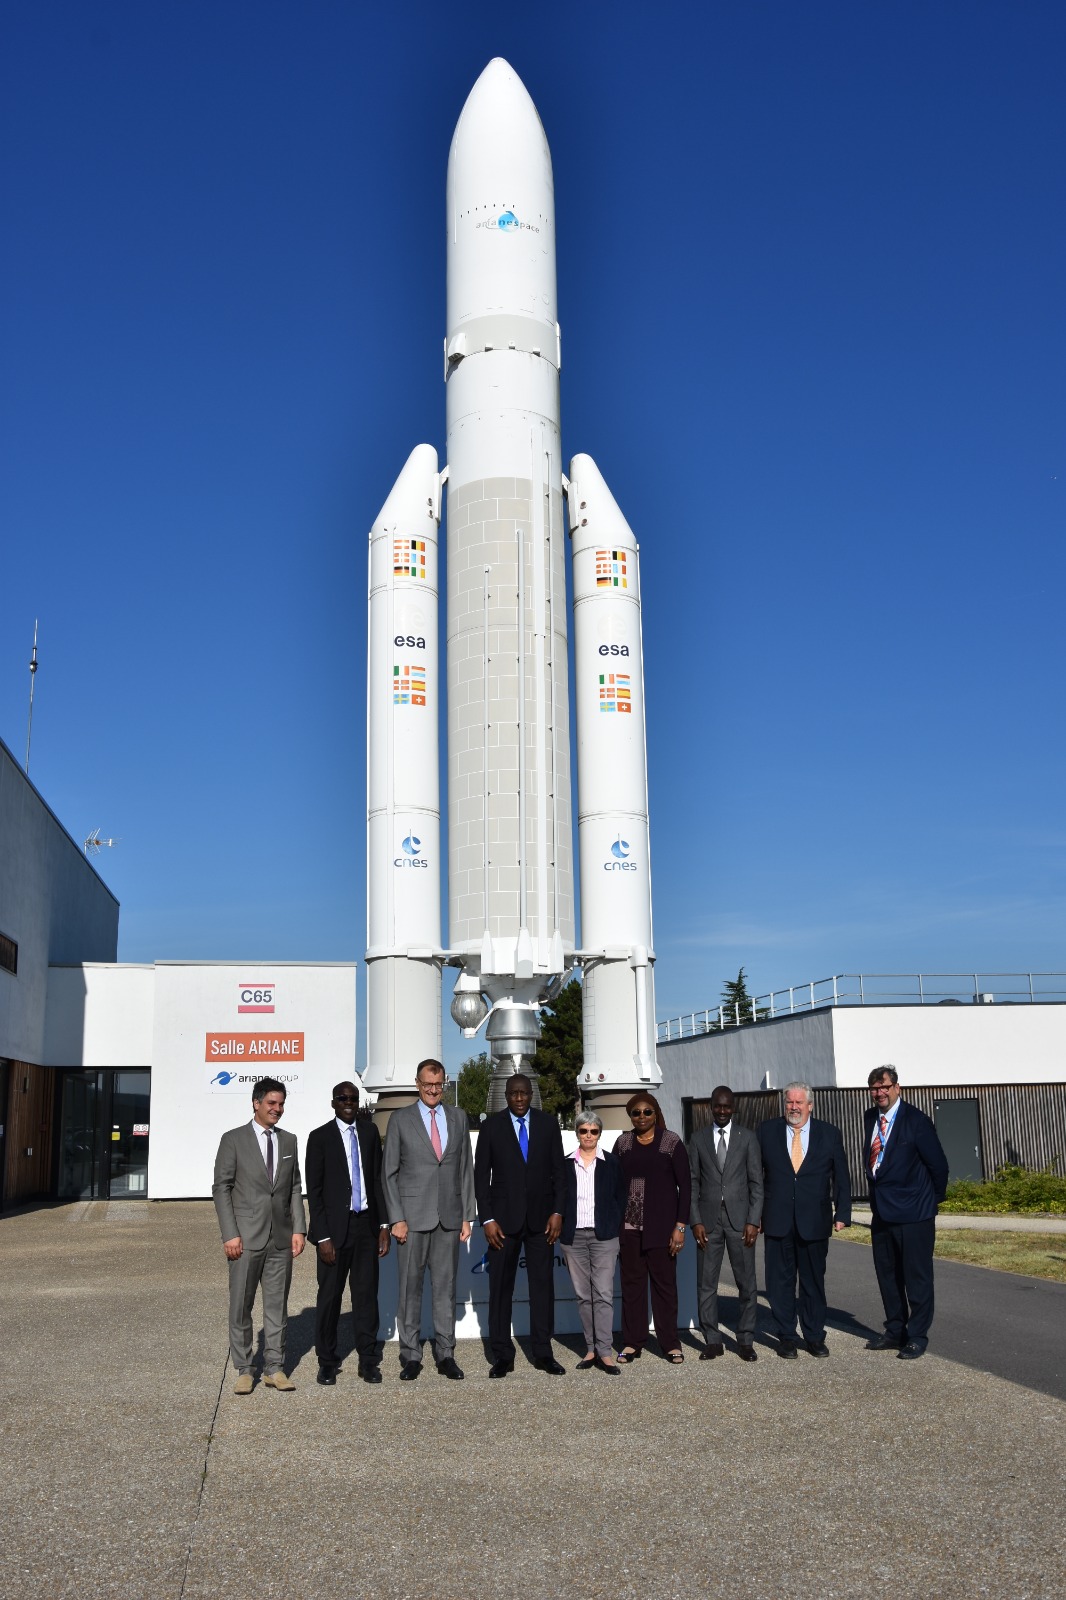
[{"x": 876, "y": 1142}]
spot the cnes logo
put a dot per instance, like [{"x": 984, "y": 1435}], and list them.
[{"x": 412, "y": 853}]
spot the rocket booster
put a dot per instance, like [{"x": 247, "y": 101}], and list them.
[{"x": 511, "y": 906}]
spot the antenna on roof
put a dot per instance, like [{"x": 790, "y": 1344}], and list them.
[
  {"x": 94, "y": 844},
  {"x": 33, "y": 677}
]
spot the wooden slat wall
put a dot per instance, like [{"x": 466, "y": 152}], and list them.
[
  {"x": 1022, "y": 1124},
  {"x": 30, "y": 1109}
]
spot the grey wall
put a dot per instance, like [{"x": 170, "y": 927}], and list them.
[
  {"x": 785, "y": 1048},
  {"x": 52, "y": 903}
]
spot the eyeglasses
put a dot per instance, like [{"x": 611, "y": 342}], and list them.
[{"x": 641, "y": 1111}]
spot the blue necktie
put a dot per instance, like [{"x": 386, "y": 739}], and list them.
[
  {"x": 523, "y": 1138},
  {"x": 357, "y": 1188}
]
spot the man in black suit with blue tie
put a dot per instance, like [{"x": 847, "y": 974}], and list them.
[
  {"x": 908, "y": 1177},
  {"x": 520, "y": 1184},
  {"x": 806, "y": 1195},
  {"x": 350, "y": 1229}
]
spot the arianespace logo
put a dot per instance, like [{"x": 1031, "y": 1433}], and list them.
[
  {"x": 619, "y": 861},
  {"x": 507, "y": 222},
  {"x": 411, "y": 856}
]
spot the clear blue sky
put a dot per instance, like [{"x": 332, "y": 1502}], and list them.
[{"x": 811, "y": 291}]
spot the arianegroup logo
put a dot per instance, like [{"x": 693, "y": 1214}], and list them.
[
  {"x": 507, "y": 222},
  {"x": 256, "y": 998},
  {"x": 231, "y": 1082},
  {"x": 411, "y": 855}
]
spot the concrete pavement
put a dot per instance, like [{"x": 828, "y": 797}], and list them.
[{"x": 128, "y": 1467}]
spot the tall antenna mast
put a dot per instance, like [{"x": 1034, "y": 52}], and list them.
[{"x": 33, "y": 677}]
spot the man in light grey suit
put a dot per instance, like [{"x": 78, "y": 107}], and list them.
[
  {"x": 260, "y": 1210},
  {"x": 428, "y": 1178},
  {"x": 725, "y": 1213}
]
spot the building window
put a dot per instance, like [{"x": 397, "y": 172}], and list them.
[{"x": 9, "y": 954}]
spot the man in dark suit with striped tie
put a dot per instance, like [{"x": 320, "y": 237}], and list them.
[
  {"x": 349, "y": 1228},
  {"x": 908, "y": 1176}
]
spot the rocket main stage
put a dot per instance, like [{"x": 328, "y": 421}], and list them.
[{"x": 510, "y": 834}]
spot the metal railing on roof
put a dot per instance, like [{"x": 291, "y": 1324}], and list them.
[{"x": 873, "y": 989}]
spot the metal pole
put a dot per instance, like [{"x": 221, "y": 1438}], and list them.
[
  {"x": 921, "y": 991},
  {"x": 33, "y": 676}
]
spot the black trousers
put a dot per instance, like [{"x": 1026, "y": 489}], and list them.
[
  {"x": 357, "y": 1267},
  {"x": 787, "y": 1258},
  {"x": 903, "y": 1261},
  {"x": 540, "y": 1276}
]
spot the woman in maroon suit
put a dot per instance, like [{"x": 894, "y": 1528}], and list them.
[{"x": 653, "y": 1230}]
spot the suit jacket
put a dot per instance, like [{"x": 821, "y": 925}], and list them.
[
  {"x": 913, "y": 1175},
  {"x": 420, "y": 1190},
  {"x": 804, "y": 1202},
  {"x": 738, "y": 1188},
  {"x": 329, "y": 1188},
  {"x": 609, "y": 1192},
  {"x": 245, "y": 1203},
  {"x": 515, "y": 1193}
]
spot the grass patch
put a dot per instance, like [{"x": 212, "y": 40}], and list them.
[
  {"x": 1036, "y": 1255},
  {"x": 1012, "y": 1189}
]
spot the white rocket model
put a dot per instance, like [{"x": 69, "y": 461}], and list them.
[{"x": 510, "y": 839}]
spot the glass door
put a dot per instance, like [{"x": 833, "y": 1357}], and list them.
[
  {"x": 128, "y": 1135},
  {"x": 103, "y": 1135}
]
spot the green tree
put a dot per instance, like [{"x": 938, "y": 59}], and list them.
[
  {"x": 561, "y": 1052},
  {"x": 472, "y": 1086},
  {"x": 737, "y": 1002}
]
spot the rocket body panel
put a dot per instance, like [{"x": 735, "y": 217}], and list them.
[
  {"x": 511, "y": 902},
  {"x": 613, "y": 840},
  {"x": 403, "y": 777}
]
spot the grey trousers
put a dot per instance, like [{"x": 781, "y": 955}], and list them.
[
  {"x": 591, "y": 1264},
  {"x": 272, "y": 1268},
  {"x": 708, "y": 1269},
  {"x": 438, "y": 1249}
]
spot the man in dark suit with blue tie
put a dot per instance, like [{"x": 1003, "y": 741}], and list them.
[
  {"x": 908, "y": 1177},
  {"x": 520, "y": 1183},
  {"x": 806, "y": 1195},
  {"x": 349, "y": 1228}
]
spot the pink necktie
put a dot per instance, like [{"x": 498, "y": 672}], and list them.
[
  {"x": 434, "y": 1135},
  {"x": 876, "y": 1142}
]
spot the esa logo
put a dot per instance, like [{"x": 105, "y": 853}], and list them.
[
  {"x": 619, "y": 861},
  {"x": 614, "y": 649},
  {"x": 410, "y": 641},
  {"x": 412, "y": 856}
]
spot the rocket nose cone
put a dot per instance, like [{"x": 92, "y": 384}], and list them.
[{"x": 498, "y": 107}]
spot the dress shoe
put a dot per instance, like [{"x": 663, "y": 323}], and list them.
[
  {"x": 786, "y": 1349},
  {"x": 370, "y": 1372},
  {"x": 587, "y": 1364},
  {"x": 279, "y": 1380},
  {"x": 709, "y": 1352},
  {"x": 910, "y": 1351},
  {"x": 409, "y": 1371},
  {"x": 327, "y": 1375},
  {"x": 500, "y": 1369},
  {"x": 550, "y": 1365},
  {"x": 817, "y": 1347},
  {"x": 747, "y": 1352},
  {"x": 612, "y": 1369},
  {"x": 448, "y": 1369},
  {"x": 882, "y": 1341},
  {"x": 245, "y": 1383}
]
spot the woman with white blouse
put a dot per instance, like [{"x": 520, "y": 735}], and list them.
[{"x": 592, "y": 1218}]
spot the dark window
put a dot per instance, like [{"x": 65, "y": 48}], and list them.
[{"x": 9, "y": 954}]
